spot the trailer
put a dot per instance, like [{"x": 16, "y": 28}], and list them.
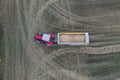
[
  {"x": 62, "y": 38},
  {"x": 73, "y": 38}
]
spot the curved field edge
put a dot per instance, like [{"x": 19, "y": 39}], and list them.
[
  {"x": 2, "y": 54},
  {"x": 2, "y": 40}
]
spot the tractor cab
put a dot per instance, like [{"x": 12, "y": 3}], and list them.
[{"x": 44, "y": 38}]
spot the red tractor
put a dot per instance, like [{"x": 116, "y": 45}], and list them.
[{"x": 44, "y": 38}]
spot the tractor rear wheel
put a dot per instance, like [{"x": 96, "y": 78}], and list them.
[{"x": 37, "y": 42}]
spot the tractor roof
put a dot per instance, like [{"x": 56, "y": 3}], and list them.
[{"x": 46, "y": 37}]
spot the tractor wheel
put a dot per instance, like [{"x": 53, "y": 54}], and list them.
[
  {"x": 37, "y": 42},
  {"x": 40, "y": 33},
  {"x": 52, "y": 39}
]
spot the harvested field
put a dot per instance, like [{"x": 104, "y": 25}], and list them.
[{"x": 27, "y": 61}]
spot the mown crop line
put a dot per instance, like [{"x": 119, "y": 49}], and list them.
[
  {"x": 98, "y": 9},
  {"x": 94, "y": 2}
]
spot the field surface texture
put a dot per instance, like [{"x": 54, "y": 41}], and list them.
[{"x": 100, "y": 60}]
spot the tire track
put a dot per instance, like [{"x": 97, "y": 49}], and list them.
[
  {"x": 60, "y": 10},
  {"x": 59, "y": 15}
]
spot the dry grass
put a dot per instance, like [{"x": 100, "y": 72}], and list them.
[{"x": 27, "y": 61}]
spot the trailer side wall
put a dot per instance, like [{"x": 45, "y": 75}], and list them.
[{"x": 73, "y": 38}]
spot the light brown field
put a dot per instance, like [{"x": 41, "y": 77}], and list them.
[{"x": 27, "y": 61}]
